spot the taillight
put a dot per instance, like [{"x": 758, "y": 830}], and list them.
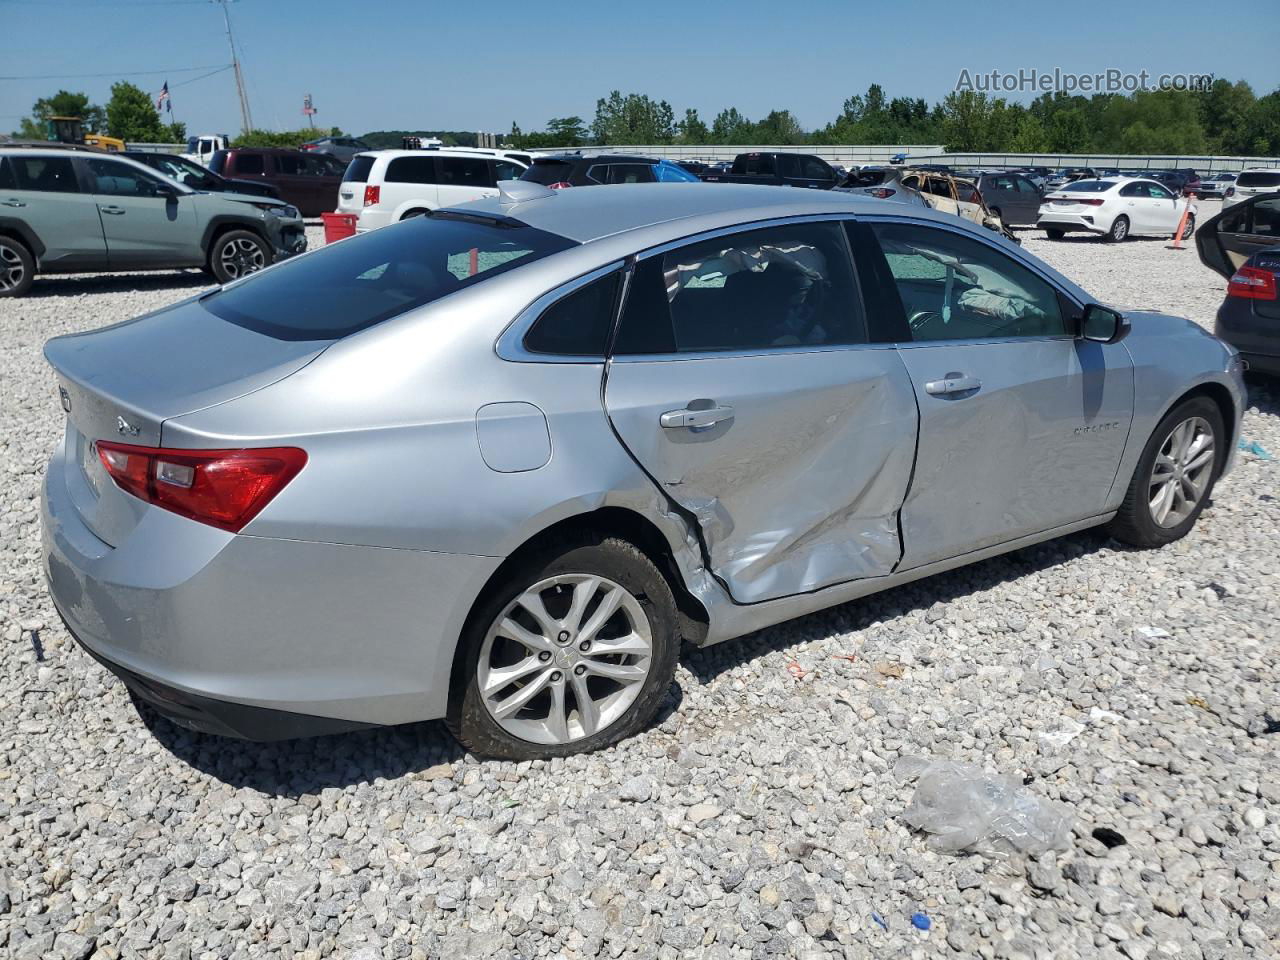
[
  {"x": 372, "y": 194},
  {"x": 884, "y": 193},
  {"x": 307, "y": 146},
  {"x": 223, "y": 488},
  {"x": 562, "y": 185},
  {"x": 1252, "y": 283},
  {"x": 1091, "y": 201}
]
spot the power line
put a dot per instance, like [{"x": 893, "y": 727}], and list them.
[{"x": 117, "y": 73}]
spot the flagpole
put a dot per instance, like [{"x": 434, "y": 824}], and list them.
[{"x": 246, "y": 119}]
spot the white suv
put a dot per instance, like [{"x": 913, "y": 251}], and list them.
[
  {"x": 385, "y": 186},
  {"x": 1250, "y": 183}
]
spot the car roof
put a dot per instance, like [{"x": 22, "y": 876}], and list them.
[
  {"x": 592, "y": 213},
  {"x": 595, "y": 157},
  {"x": 392, "y": 153}
]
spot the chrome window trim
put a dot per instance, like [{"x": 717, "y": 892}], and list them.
[{"x": 510, "y": 344}]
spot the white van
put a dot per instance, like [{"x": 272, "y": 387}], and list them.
[{"x": 386, "y": 186}]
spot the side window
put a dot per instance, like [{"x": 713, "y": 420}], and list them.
[
  {"x": 814, "y": 169},
  {"x": 117, "y": 179},
  {"x": 788, "y": 166},
  {"x": 505, "y": 171},
  {"x": 1157, "y": 192},
  {"x": 784, "y": 286},
  {"x": 954, "y": 287},
  {"x": 578, "y": 324},
  {"x": 630, "y": 173},
  {"x": 316, "y": 166},
  {"x": 289, "y": 164},
  {"x": 410, "y": 170},
  {"x": 7, "y": 181},
  {"x": 48, "y": 174},
  {"x": 1024, "y": 185},
  {"x": 1133, "y": 190},
  {"x": 1266, "y": 218},
  {"x": 249, "y": 164},
  {"x": 1000, "y": 183},
  {"x": 464, "y": 172}
]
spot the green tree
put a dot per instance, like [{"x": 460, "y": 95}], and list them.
[
  {"x": 1067, "y": 131},
  {"x": 282, "y": 138},
  {"x": 966, "y": 117},
  {"x": 175, "y": 132},
  {"x": 568, "y": 131},
  {"x": 633, "y": 119},
  {"x": 1029, "y": 136},
  {"x": 64, "y": 103},
  {"x": 780, "y": 128},
  {"x": 730, "y": 126},
  {"x": 132, "y": 116},
  {"x": 692, "y": 129}
]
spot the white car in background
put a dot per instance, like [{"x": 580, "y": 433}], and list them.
[
  {"x": 1250, "y": 183},
  {"x": 1115, "y": 208},
  {"x": 386, "y": 186}
]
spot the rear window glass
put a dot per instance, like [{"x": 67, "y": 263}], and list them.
[
  {"x": 547, "y": 172},
  {"x": 50, "y": 174},
  {"x": 867, "y": 178},
  {"x": 411, "y": 170},
  {"x": 1089, "y": 186},
  {"x": 358, "y": 170},
  {"x": 577, "y": 325},
  {"x": 362, "y": 281},
  {"x": 1258, "y": 180}
]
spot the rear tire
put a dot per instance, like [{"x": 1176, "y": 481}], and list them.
[
  {"x": 1119, "y": 231},
  {"x": 236, "y": 254},
  {"x": 1188, "y": 229},
  {"x": 552, "y": 721},
  {"x": 1055, "y": 234},
  {"x": 1164, "y": 469},
  {"x": 17, "y": 268}
]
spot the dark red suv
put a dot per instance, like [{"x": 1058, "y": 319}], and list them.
[{"x": 307, "y": 180}]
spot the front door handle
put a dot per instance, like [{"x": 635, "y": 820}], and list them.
[
  {"x": 941, "y": 388},
  {"x": 675, "y": 419},
  {"x": 114, "y": 211},
  {"x": 14, "y": 203}
]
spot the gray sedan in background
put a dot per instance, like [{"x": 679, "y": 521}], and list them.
[{"x": 495, "y": 463}]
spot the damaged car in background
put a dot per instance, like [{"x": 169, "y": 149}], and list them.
[
  {"x": 936, "y": 189},
  {"x": 326, "y": 497}
]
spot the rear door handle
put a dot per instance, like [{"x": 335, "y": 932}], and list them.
[
  {"x": 13, "y": 203},
  {"x": 940, "y": 388},
  {"x": 675, "y": 419},
  {"x": 114, "y": 211}
]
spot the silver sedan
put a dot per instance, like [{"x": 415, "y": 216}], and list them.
[{"x": 495, "y": 464}]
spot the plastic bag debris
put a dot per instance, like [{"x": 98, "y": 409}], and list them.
[
  {"x": 921, "y": 921},
  {"x": 880, "y": 921},
  {"x": 1257, "y": 449},
  {"x": 966, "y": 808}
]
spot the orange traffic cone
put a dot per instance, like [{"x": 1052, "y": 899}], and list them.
[{"x": 1182, "y": 225}]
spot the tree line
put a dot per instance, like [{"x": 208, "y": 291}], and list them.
[
  {"x": 130, "y": 114},
  {"x": 1227, "y": 118}
]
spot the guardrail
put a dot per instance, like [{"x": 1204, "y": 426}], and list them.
[{"x": 157, "y": 147}]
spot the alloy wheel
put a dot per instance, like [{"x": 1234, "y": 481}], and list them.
[
  {"x": 1120, "y": 229},
  {"x": 1181, "y": 472},
  {"x": 241, "y": 257},
  {"x": 12, "y": 271},
  {"x": 565, "y": 659}
]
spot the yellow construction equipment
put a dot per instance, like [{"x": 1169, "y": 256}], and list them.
[{"x": 71, "y": 130}]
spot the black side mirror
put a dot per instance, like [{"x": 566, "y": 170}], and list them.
[{"x": 1103, "y": 325}]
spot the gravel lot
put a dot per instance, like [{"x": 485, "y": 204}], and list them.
[{"x": 760, "y": 817}]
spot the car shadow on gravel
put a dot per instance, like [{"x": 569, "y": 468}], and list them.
[
  {"x": 707, "y": 664},
  {"x": 185, "y": 281}
]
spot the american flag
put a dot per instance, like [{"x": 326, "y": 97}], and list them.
[{"x": 163, "y": 99}]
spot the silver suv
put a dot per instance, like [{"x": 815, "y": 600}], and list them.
[{"x": 77, "y": 212}]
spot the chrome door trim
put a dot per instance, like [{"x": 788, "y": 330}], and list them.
[{"x": 510, "y": 344}]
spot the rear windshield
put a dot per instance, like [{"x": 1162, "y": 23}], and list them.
[
  {"x": 358, "y": 170},
  {"x": 867, "y": 178},
  {"x": 364, "y": 280},
  {"x": 1248, "y": 179},
  {"x": 547, "y": 172},
  {"x": 1089, "y": 186}
]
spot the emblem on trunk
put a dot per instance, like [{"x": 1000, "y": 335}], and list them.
[{"x": 125, "y": 428}]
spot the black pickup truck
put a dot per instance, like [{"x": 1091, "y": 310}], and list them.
[{"x": 779, "y": 169}]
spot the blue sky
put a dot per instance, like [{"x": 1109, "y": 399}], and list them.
[{"x": 396, "y": 64}]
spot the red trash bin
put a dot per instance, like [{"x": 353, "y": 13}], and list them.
[{"x": 338, "y": 226}]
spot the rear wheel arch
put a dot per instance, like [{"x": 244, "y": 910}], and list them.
[
  {"x": 417, "y": 210},
  {"x": 19, "y": 231},
  {"x": 585, "y": 528}
]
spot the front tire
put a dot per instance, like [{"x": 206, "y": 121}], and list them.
[
  {"x": 236, "y": 254},
  {"x": 573, "y": 652},
  {"x": 1119, "y": 231},
  {"x": 17, "y": 268},
  {"x": 1175, "y": 476},
  {"x": 1055, "y": 234},
  {"x": 1188, "y": 229}
]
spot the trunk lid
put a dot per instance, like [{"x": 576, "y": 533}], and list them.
[{"x": 121, "y": 383}]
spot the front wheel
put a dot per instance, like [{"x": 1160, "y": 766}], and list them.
[
  {"x": 1174, "y": 477},
  {"x": 1119, "y": 229},
  {"x": 236, "y": 254},
  {"x": 1188, "y": 229},
  {"x": 1055, "y": 234},
  {"x": 574, "y": 652},
  {"x": 17, "y": 268}
]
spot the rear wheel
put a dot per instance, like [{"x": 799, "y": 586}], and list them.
[
  {"x": 1055, "y": 234},
  {"x": 573, "y": 653},
  {"x": 17, "y": 268},
  {"x": 236, "y": 254},
  {"x": 1119, "y": 229},
  {"x": 1174, "y": 477},
  {"x": 1188, "y": 229}
]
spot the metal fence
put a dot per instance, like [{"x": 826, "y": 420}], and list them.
[{"x": 157, "y": 147}]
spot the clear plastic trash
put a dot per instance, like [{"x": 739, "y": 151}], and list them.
[{"x": 965, "y": 808}]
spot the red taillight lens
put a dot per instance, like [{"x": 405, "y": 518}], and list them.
[
  {"x": 308, "y": 146},
  {"x": 223, "y": 488},
  {"x": 372, "y": 195},
  {"x": 1091, "y": 201},
  {"x": 562, "y": 185},
  {"x": 884, "y": 193},
  {"x": 1252, "y": 284}
]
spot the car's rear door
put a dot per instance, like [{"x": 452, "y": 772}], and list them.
[
  {"x": 1025, "y": 202},
  {"x": 742, "y": 381},
  {"x": 145, "y": 224},
  {"x": 44, "y": 194},
  {"x": 463, "y": 179},
  {"x": 1022, "y": 425},
  {"x": 1243, "y": 230}
]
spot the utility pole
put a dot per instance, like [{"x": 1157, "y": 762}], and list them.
[{"x": 246, "y": 118}]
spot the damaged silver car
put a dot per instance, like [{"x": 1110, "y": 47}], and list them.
[
  {"x": 495, "y": 464},
  {"x": 938, "y": 190}
]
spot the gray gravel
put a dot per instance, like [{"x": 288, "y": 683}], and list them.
[{"x": 759, "y": 818}]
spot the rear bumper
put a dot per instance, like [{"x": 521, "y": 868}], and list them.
[
  {"x": 1257, "y": 338},
  {"x": 1069, "y": 221},
  {"x": 256, "y": 636}
]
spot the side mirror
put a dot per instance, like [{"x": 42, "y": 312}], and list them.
[{"x": 1103, "y": 325}]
